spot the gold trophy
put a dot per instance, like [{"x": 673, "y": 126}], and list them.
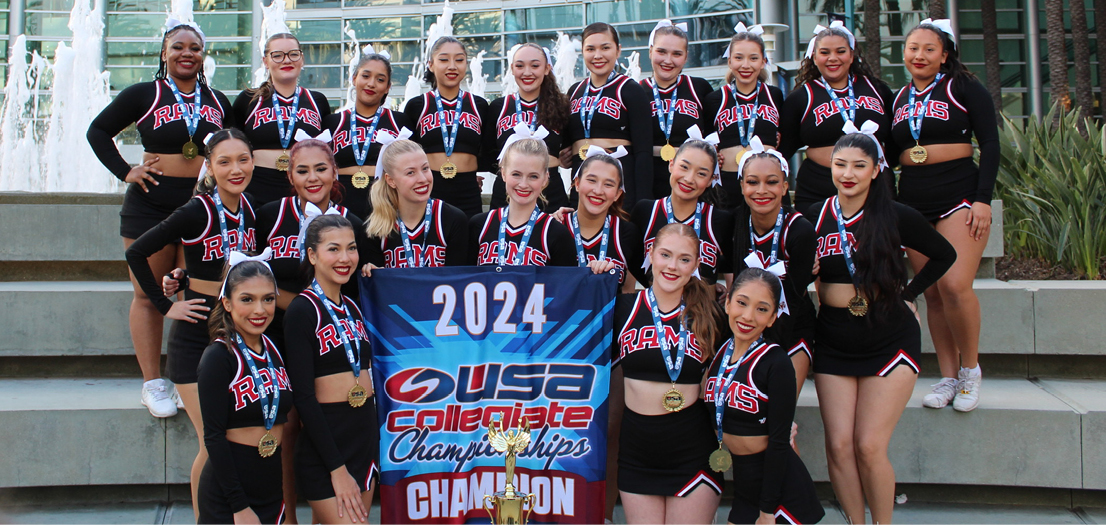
[{"x": 508, "y": 504}]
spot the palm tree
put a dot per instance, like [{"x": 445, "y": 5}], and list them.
[
  {"x": 872, "y": 41},
  {"x": 1100, "y": 40},
  {"x": 990, "y": 53},
  {"x": 1082, "y": 47},
  {"x": 1057, "y": 53}
]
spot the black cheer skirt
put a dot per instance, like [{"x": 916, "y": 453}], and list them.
[
  {"x": 260, "y": 478},
  {"x": 461, "y": 191},
  {"x": 938, "y": 190},
  {"x": 187, "y": 342},
  {"x": 142, "y": 211},
  {"x": 798, "y": 499},
  {"x": 667, "y": 455},
  {"x": 355, "y": 432},
  {"x": 846, "y": 345}
]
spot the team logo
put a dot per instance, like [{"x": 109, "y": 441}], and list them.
[{"x": 419, "y": 385}]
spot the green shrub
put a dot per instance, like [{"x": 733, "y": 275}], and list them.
[{"x": 1052, "y": 181}]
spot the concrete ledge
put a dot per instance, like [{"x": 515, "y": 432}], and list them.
[
  {"x": 1064, "y": 314},
  {"x": 1008, "y": 318},
  {"x": 1089, "y": 399},
  {"x": 77, "y": 232}
]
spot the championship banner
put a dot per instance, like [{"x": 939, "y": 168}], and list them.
[{"x": 456, "y": 349}]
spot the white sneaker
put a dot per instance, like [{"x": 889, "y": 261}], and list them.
[
  {"x": 943, "y": 392},
  {"x": 968, "y": 396},
  {"x": 156, "y": 398},
  {"x": 175, "y": 395}
]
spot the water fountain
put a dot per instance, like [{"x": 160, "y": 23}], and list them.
[
  {"x": 565, "y": 53},
  {"x": 273, "y": 22},
  {"x": 479, "y": 83},
  {"x": 633, "y": 66},
  {"x": 443, "y": 26}
]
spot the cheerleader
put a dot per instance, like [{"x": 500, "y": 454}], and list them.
[
  {"x": 694, "y": 171},
  {"x": 746, "y": 107},
  {"x": 329, "y": 360},
  {"x": 448, "y": 125},
  {"x": 623, "y": 121},
  {"x": 751, "y": 386},
  {"x": 271, "y": 114},
  {"x": 867, "y": 342},
  {"x": 834, "y": 86},
  {"x": 407, "y": 228},
  {"x": 773, "y": 232},
  {"x": 678, "y": 99},
  {"x": 214, "y": 223},
  {"x": 666, "y": 439},
  {"x": 520, "y": 234},
  {"x": 353, "y": 130},
  {"x": 245, "y": 396},
  {"x": 539, "y": 102},
  {"x": 172, "y": 115},
  {"x": 935, "y": 118}
]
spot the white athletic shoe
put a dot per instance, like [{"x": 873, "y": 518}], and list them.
[
  {"x": 943, "y": 392},
  {"x": 156, "y": 398},
  {"x": 968, "y": 396}
]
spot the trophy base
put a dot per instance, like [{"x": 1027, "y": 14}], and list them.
[{"x": 509, "y": 508}]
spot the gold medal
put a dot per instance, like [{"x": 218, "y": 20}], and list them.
[
  {"x": 720, "y": 460},
  {"x": 668, "y": 152},
  {"x": 268, "y": 445},
  {"x": 584, "y": 151},
  {"x": 190, "y": 150},
  {"x": 360, "y": 180},
  {"x": 918, "y": 153},
  {"x": 357, "y": 396},
  {"x": 858, "y": 305},
  {"x": 448, "y": 170},
  {"x": 673, "y": 400},
  {"x": 282, "y": 161}
]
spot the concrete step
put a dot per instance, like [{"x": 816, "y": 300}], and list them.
[{"x": 1025, "y": 433}]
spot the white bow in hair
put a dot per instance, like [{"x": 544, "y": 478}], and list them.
[
  {"x": 302, "y": 135},
  {"x": 385, "y": 139},
  {"x": 868, "y": 128},
  {"x": 203, "y": 171},
  {"x": 522, "y": 131},
  {"x": 666, "y": 23},
  {"x": 944, "y": 24},
  {"x": 779, "y": 270},
  {"x": 208, "y": 137},
  {"x": 383, "y": 52},
  {"x": 755, "y": 29},
  {"x": 594, "y": 150},
  {"x": 694, "y": 133},
  {"x": 836, "y": 24},
  {"x": 756, "y": 147},
  {"x": 235, "y": 258},
  {"x": 171, "y": 23},
  {"x": 310, "y": 213}
]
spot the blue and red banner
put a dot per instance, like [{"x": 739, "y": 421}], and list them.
[{"x": 455, "y": 349}]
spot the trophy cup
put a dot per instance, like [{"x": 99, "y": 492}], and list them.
[{"x": 507, "y": 503}]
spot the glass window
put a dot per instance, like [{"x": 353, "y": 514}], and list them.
[
  {"x": 47, "y": 24},
  {"x": 322, "y": 54},
  {"x": 132, "y": 53},
  {"x": 615, "y": 12},
  {"x": 473, "y": 23},
  {"x": 121, "y": 77},
  {"x": 316, "y": 30},
  {"x": 224, "y": 24},
  {"x": 377, "y": 29},
  {"x": 312, "y": 4},
  {"x": 566, "y": 16},
  {"x": 706, "y": 7},
  {"x": 135, "y": 25},
  {"x": 366, "y": 3},
  {"x": 231, "y": 80},
  {"x": 322, "y": 77},
  {"x": 49, "y": 5}
]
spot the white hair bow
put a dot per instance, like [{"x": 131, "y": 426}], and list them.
[
  {"x": 172, "y": 23},
  {"x": 235, "y": 258},
  {"x": 694, "y": 133},
  {"x": 203, "y": 166},
  {"x": 594, "y": 151},
  {"x": 756, "y": 147},
  {"x": 755, "y": 30},
  {"x": 779, "y": 270},
  {"x": 383, "y": 52},
  {"x": 310, "y": 213},
  {"x": 836, "y": 24},
  {"x": 666, "y": 23},
  {"x": 943, "y": 24},
  {"x": 385, "y": 139},
  {"x": 868, "y": 128},
  {"x": 302, "y": 135},
  {"x": 522, "y": 132}
]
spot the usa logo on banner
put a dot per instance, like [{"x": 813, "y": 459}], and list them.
[{"x": 455, "y": 349}]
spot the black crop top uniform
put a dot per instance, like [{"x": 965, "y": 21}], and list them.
[
  {"x": 196, "y": 226},
  {"x": 756, "y": 392},
  {"x": 849, "y": 345},
  {"x": 506, "y": 113},
  {"x": 444, "y": 241},
  {"x": 715, "y": 239},
  {"x": 688, "y": 95},
  {"x": 812, "y": 119},
  {"x": 619, "y": 109},
  {"x": 954, "y": 111},
  {"x": 663, "y": 455},
  {"x": 549, "y": 243},
  {"x": 161, "y": 124},
  {"x": 335, "y": 434},
  {"x": 623, "y": 247},
  {"x": 278, "y": 226},
  {"x": 259, "y": 120},
  {"x": 235, "y": 476},
  {"x": 343, "y": 142},
  {"x": 728, "y": 112},
  {"x": 470, "y": 112}
]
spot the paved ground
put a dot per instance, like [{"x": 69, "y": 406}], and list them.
[{"x": 181, "y": 513}]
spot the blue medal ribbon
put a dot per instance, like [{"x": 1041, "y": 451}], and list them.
[
  {"x": 412, "y": 257},
  {"x": 353, "y": 352},
  {"x": 521, "y": 255},
  {"x": 191, "y": 117},
  {"x": 578, "y": 236},
  {"x": 587, "y": 112},
  {"x": 449, "y": 139},
  {"x": 269, "y": 406},
  {"x": 666, "y": 121},
  {"x": 846, "y": 108},
  {"x": 722, "y": 381},
  {"x": 522, "y": 116},
  {"x": 219, "y": 210},
  {"x": 672, "y": 218},
  {"x": 361, "y": 155},
  {"x": 746, "y": 132},
  {"x": 285, "y": 132},
  {"x": 915, "y": 121},
  {"x": 673, "y": 363},
  {"x": 772, "y": 257},
  {"x": 846, "y": 246}
]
